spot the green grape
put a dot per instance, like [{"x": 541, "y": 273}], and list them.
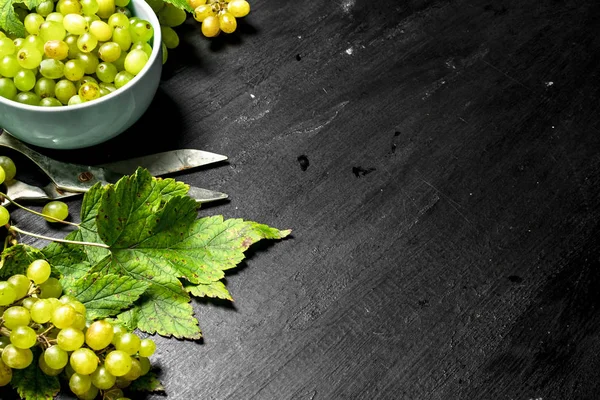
[
  {"x": 71, "y": 41},
  {"x": 120, "y": 62},
  {"x": 16, "y": 358},
  {"x": 55, "y": 357},
  {"x": 8, "y": 89},
  {"x": 122, "y": 79},
  {"x": 165, "y": 52},
  {"x": 8, "y": 294},
  {"x": 202, "y": 12},
  {"x": 145, "y": 365},
  {"x": 56, "y": 49},
  {"x": 78, "y": 306},
  {"x": 90, "y": 60},
  {"x": 113, "y": 393},
  {"x": 103, "y": 379},
  {"x": 128, "y": 342},
  {"x": 29, "y": 302},
  {"x": 50, "y": 102},
  {"x": 75, "y": 100},
  {"x": 21, "y": 283},
  {"x": 9, "y": 66},
  {"x": 23, "y": 337},
  {"x": 63, "y": 316},
  {"x": 227, "y": 22},
  {"x": 74, "y": 70},
  {"x": 99, "y": 334},
  {"x": 141, "y": 31},
  {"x": 106, "y": 88},
  {"x": 101, "y": 30},
  {"x": 9, "y": 167},
  {"x": 106, "y": 72},
  {"x": 32, "y": 23},
  {"x": 7, "y": 46},
  {"x": 80, "y": 384},
  {"x": 105, "y": 8},
  {"x": 84, "y": 361},
  {"x": 52, "y": 286},
  {"x": 210, "y": 26},
  {"x": 87, "y": 79},
  {"x": 135, "y": 371},
  {"x": 147, "y": 347},
  {"x": 55, "y": 210},
  {"x": 52, "y": 30},
  {"x": 67, "y": 299},
  {"x": 52, "y": 69},
  {"x": 24, "y": 80},
  {"x": 45, "y": 8},
  {"x": 156, "y": 5},
  {"x": 123, "y": 10},
  {"x": 70, "y": 339},
  {"x": 122, "y": 3},
  {"x": 238, "y": 8},
  {"x": 41, "y": 311},
  {"x": 5, "y": 374},
  {"x": 89, "y": 91},
  {"x": 34, "y": 41},
  {"x": 118, "y": 330},
  {"x": 66, "y": 7},
  {"x": 46, "y": 369},
  {"x": 119, "y": 20},
  {"x": 195, "y": 3},
  {"x": 122, "y": 37},
  {"x": 142, "y": 46},
  {"x": 38, "y": 271},
  {"x": 80, "y": 322},
  {"x": 28, "y": 98},
  {"x": 135, "y": 61},
  {"x": 171, "y": 16},
  {"x": 87, "y": 42},
  {"x": 89, "y": 7},
  {"x": 109, "y": 51},
  {"x": 44, "y": 87},
  {"x": 55, "y": 17},
  {"x": 2, "y": 174},
  {"x": 75, "y": 24},
  {"x": 90, "y": 394},
  {"x": 117, "y": 362},
  {"x": 19, "y": 42},
  {"x": 16, "y": 316},
  {"x": 65, "y": 89},
  {"x": 91, "y": 18},
  {"x": 29, "y": 57},
  {"x": 169, "y": 36}
]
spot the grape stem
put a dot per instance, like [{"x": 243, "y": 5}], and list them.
[
  {"x": 35, "y": 235},
  {"x": 37, "y": 213}
]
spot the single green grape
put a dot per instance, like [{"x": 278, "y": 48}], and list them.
[
  {"x": 8, "y": 294},
  {"x": 52, "y": 287},
  {"x": 79, "y": 383},
  {"x": 90, "y": 60},
  {"x": 15, "y": 316},
  {"x": 171, "y": 16},
  {"x": 117, "y": 362},
  {"x": 239, "y": 8},
  {"x": 103, "y": 379},
  {"x": 55, "y": 357},
  {"x": 156, "y": 5},
  {"x": 23, "y": 337},
  {"x": 135, "y": 61},
  {"x": 4, "y": 218},
  {"x": 46, "y": 369},
  {"x": 141, "y": 31},
  {"x": 52, "y": 30},
  {"x": 109, "y": 51},
  {"x": 142, "y": 46},
  {"x": 7, "y": 46},
  {"x": 45, "y": 8},
  {"x": 29, "y": 57},
  {"x": 119, "y": 20},
  {"x": 99, "y": 334},
  {"x": 56, "y": 49},
  {"x": 16, "y": 358},
  {"x": 63, "y": 316},
  {"x": 55, "y": 211},
  {"x": 8, "y": 90},
  {"x": 2, "y": 174},
  {"x": 28, "y": 303},
  {"x": 128, "y": 342},
  {"x": 41, "y": 311},
  {"x": 75, "y": 100},
  {"x": 227, "y": 22},
  {"x": 84, "y": 361},
  {"x": 75, "y": 24},
  {"x": 71, "y": 41},
  {"x": 5, "y": 374},
  {"x": 52, "y": 69},
  {"x": 203, "y": 11},
  {"x": 74, "y": 70},
  {"x": 169, "y": 36},
  {"x": 21, "y": 283},
  {"x": 165, "y": 52},
  {"x": 55, "y": 17},
  {"x": 64, "y": 90},
  {"x": 89, "y": 91},
  {"x": 147, "y": 347},
  {"x": 70, "y": 339},
  {"x": 87, "y": 42},
  {"x": 9, "y": 167},
  {"x": 105, "y": 8},
  {"x": 123, "y": 79},
  {"x": 89, "y": 7},
  {"x": 145, "y": 363},
  {"x": 101, "y": 30},
  {"x": 38, "y": 271},
  {"x": 106, "y": 72},
  {"x": 122, "y": 37},
  {"x": 44, "y": 87},
  {"x": 67, "y": 7},
  {"x": 9, "y": 66},
  {"x": 122, "y": 3},
  {"x": 123, "y": 10},
  {"x": 135, "y": 371},
  {"x": 210, "y": 26},
  {"x": 28, "y": 98},
  {"x": 25, "y": 80},
  {"x": 34, "y": 41}
]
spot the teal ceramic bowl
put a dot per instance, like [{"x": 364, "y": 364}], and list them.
[{"x": 88, "y": 124}]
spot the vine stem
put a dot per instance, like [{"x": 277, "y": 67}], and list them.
[
  {"x": 37, "y": 213},
  {"x": 35, "y": 235}
]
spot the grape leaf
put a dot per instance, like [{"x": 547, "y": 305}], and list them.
[
  {"x": 182, "y": 4},
  {"x": 147, "y": 383},
  {"x": 32, "y": 384},
  {"x": 16, "y": 259},
  {"x": 9, "y": 21},
  {"x": 156, "y": 237},
  {"x": 104, "y": 295},
  {"x": 213, "y": 289}
]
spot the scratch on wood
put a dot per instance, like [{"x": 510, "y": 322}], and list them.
[
  {"x": 453, "y": 203},
  {"x": 507, "y": 75}
]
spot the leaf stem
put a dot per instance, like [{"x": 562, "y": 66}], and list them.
[
  {"x": 35, "y": 212},
  {"x": 102, "y": 245}
]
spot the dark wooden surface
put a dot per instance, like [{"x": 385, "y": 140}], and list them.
[{"x": 438, "y": 162}]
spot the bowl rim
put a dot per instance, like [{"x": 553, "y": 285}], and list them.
[{"x": 156, "y": 49}]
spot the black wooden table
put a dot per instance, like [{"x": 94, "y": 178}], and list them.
[{"x": 438, "y": 162}]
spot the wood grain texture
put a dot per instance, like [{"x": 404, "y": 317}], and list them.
[{"x": 438, "y": 164}]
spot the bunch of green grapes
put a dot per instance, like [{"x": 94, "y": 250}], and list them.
[
  {"x": 53, "y": 211},
  {"x": 75, "y": 51},
  {"x": 96, "y": 358}
]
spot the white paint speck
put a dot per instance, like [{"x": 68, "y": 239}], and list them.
[
  {"x": 347, "y": 5},
  {"x": 549, "y": 83},
  {"x": 251, "y": 95},
  {"x": 349, "y": 51},
  {"x": 299, "y": 37}
]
